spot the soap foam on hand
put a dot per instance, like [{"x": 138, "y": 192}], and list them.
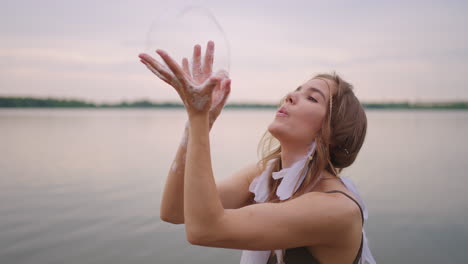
[{"x": 177, "y": 32}]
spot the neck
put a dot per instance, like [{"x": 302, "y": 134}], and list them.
[{"x": 292, "y": 153}]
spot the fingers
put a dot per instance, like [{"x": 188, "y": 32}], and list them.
[
  {"x": 153, "y": 70},
  {"x": 174, "y": 83},
  {"x": 223, "y": 74},
  {"x": 211, "y": 84},
  {"x": 174, "y": 67},
  {"x": 185, "y": 66},
  {"x": 226, "y": 88},
  {"x": 156, "y": 67},
  {"x": 209, "y": 57},
  {"x": 196, "y": 66}
]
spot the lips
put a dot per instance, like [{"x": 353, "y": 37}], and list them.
[{"x": 282, "y": 112}]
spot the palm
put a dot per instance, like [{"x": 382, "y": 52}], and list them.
[
  {"x": 200, "y": 73},
  {"x": 194, "y": 85}
]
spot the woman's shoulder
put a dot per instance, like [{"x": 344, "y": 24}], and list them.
[
  {"x": 335, "y": 207},
  {"x": 340, "y": 208},
  {"x": 335, "y": 188},
  {"x": 332, "y": 184},
  {"x": 339, "y": 191}
]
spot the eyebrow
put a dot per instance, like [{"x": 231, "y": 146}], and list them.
[{"x": 315, "y": 90}]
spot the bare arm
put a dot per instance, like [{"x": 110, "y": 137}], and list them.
[
  {"x": 261, "y": 226},
  {"x": 233, "y": 191},
  {"x": 172, "y": 205}
]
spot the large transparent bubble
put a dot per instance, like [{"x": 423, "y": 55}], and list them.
[{"x": 177, "y": 32}]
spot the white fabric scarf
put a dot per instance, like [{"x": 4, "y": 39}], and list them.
[{"x": 292, "y": 179}]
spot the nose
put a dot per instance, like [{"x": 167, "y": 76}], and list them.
[{"x": 291, "y": 98}]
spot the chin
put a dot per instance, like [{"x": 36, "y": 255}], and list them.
[
  {"x": 277, "y": 131},
  {"x": 284, "y": 133}
]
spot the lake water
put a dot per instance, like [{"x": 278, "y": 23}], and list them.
[{"x": 84, "y": 185}]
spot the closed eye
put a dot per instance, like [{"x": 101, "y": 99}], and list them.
[{"x": 312, "y": 99}]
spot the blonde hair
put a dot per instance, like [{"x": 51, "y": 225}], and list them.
[{"x": 337, "y": 143}]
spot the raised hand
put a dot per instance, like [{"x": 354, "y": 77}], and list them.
[
  {"x": 200, "y": 72},
  {"x": 189, "y": 83}
]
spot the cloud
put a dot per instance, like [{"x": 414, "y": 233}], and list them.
[{"x": 394, "y": 50}]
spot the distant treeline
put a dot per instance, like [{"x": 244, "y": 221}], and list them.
[{"x": 24, "y": 102}]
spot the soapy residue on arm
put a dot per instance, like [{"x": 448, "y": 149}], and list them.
[{"x": 183, "y": 145}]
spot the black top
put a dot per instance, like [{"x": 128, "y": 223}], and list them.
[{"x": 300, "y": 255}]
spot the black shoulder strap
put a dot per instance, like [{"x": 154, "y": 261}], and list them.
[{"x": 362, "y": 214}]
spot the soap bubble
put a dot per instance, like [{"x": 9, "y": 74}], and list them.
[{"x": 178, "y": 32}]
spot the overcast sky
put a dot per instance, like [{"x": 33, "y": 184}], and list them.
[{"x": 87, "y": 49}]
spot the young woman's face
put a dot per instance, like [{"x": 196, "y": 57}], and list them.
[{"x": 301, "y": 115}]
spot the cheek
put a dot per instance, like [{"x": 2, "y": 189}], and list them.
[{"x": 311, "y": 121}]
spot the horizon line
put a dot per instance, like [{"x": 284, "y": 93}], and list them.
[{"x": 98, "y": 102}]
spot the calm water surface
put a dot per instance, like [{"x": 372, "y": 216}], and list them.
[{"x": 84, "y": 186}]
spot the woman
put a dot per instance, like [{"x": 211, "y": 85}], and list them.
[{"x": 291, "y": 206}]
